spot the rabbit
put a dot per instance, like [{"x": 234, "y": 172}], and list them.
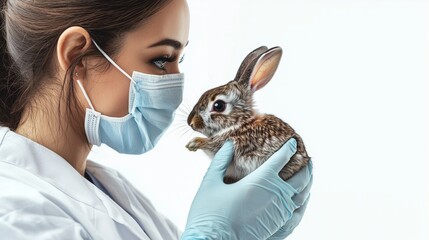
[{"x": 227, "y": 113}]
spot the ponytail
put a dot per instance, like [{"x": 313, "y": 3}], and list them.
[{"x": 9, "y": 91}]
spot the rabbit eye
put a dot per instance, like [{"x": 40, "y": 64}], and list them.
[{"x": 219, "y": 106}]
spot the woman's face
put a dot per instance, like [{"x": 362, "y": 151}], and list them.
[{"x": 154, "y": 48}]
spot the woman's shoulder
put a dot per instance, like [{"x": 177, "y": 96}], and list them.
[
  {"x": 33, "y": 172},
  {"x": 29, "y": 212}
]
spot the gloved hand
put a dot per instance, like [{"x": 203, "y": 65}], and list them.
[
  {"x": 259, "y": 206},
  {"x": 302, "y": 182}
]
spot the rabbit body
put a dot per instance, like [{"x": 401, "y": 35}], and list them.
[
  {"x": 254, "y": 142},
  {"x": 227, "y": 113}
]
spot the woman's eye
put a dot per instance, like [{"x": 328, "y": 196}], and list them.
[
  {"x": 160, "y": 62},
  {"x": 219, "y": 106}
]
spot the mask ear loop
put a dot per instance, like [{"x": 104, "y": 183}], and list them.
[
  {"x": 85, "y": 95},
  {"x": 113, "y": 62}
]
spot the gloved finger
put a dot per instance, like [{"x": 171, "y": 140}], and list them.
[
  {"x": 290, "y": 225},
  {"x": 300, "y": 198},
  {"x": 221, "y": 161},
  {"x": 302, "y": 178},
  {"x": 279, "y": 159}
]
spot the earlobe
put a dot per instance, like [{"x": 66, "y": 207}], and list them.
[{"x": 73, "y": 42}]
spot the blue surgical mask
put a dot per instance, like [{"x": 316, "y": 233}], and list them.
[{"x": 153, "y": 100}]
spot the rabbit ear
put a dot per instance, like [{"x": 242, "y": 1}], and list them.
[
  {"x": 246, "y": 64},
  {"x": 263, "y": 69}
]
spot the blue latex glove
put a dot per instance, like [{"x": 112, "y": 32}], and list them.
[
  {"x": 259, "y": 206},
  {"x": 298, "y": 182}
]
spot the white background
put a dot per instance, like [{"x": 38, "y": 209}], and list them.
[{"x": 353, "y": 82}]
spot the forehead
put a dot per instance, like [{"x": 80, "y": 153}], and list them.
[{"x": 171, "y": 22}]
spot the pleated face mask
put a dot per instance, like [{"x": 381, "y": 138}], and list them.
[{"x": 153, "y": 99}]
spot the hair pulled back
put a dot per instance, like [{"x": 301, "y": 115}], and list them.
[{"x": 30, "y": 30}]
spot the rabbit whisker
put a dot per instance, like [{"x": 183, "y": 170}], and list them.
[{"x": 184, "y": 108}]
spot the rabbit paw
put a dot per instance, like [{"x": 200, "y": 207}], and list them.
[{"x": 196, "y": 144}]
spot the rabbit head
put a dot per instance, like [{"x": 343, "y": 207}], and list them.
[{"x": 229, "y": 106}]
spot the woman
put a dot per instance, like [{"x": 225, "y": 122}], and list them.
[{"x": 77, "y": 73}]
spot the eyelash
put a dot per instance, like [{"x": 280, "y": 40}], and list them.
[{"x": 160, "y": 62}]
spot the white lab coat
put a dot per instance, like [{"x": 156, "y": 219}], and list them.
[{"x": 44, "y": 197}]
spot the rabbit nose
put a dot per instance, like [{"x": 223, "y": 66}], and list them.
[
  {"x": 196, "y": 123},
  {"x": 190, "y": 119},
  {"x": 193, "y": 123}
]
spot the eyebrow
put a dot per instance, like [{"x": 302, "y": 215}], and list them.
[{"x": 169, "y": 42}]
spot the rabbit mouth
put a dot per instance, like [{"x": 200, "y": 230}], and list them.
[
  {"x": 206, "y": 132},
  {"x": 200, "y": 130},
  {"x": 203, "y": 131},
  {"x": 196, "y": 128}
]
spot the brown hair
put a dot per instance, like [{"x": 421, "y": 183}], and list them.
[{"x": 29, "y": 33}]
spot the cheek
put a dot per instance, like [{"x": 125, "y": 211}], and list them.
[
  {"x": 206, "y": 116},
  {"x": 109, "y": 92}
]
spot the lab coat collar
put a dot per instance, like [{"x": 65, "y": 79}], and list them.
[
  {"x": 47, "y": 165},
  {"x": 51, "y": 167}
]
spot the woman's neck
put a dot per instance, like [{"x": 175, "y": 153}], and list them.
[{"x": 42, "y": 125}]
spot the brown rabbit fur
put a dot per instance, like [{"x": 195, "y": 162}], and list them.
[{"x": 226, "y": 113}]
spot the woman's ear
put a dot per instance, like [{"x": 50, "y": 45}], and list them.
[
  {"x": 265, "y": 68},
  {"x": 72, "y": 42}
]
